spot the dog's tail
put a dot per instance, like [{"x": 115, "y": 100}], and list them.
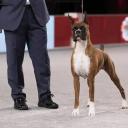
[{"x": 102, "y": 47}]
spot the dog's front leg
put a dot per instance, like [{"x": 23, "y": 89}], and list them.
[
  {"x": 91, "y": 104},
  {"x": 77, "y": 92}
]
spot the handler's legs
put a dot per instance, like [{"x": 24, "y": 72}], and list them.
[
  {"x": 15, "y": 44},
  {"x": 37, "y": 46}
]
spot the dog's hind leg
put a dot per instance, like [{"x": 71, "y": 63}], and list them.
[
  {"x": 91, "y": 105},
  {"x": 77, "y": 92},
  {"x": 110, "y": 69}
]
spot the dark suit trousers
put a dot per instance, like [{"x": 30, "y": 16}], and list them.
[{"x": 35, "y": 36}]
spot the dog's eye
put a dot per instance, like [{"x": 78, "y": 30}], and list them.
[
  {"x": 82, "y": 28},
  {"x": 75, "y": 28}
]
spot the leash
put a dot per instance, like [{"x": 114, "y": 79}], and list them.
[{"x": 82, "y": 9}]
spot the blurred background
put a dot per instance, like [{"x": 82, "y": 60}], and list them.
[
  {"x": 57, "y": 7},
  {"x": 107, "y": 19}
]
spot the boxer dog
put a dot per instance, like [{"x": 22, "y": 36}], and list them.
[{"x": 86, "y": 62}]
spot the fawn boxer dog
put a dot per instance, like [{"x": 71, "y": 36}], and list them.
[{"x": 86, "y": 62}]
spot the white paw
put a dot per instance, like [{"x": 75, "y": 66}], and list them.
[
  {"x": 124, "y": 104},
  {"x": 91, "y": 112},
  {"x": 75, "y": 112},
  {"x": 88, "y": 104}
]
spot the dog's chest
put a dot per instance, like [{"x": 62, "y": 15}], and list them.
[{"x": 81, "y": 61}]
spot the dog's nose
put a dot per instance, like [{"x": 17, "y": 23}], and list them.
[{"x": 78, "y": 32}]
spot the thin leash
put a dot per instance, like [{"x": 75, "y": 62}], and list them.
[{"x": 82, "y": 9}]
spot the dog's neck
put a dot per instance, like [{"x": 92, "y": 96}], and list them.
[{"x": 81, "y": 44}]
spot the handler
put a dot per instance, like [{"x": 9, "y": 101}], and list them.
[{"x": 24, "y": 21}]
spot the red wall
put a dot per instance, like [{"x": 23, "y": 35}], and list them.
[
  {"x": 62, "y": 31},
  {"x": 103, "y": 29}
]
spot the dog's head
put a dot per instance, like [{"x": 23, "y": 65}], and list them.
[{"x": 79, "y": 29}]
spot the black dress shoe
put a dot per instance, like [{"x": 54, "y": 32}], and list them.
[
  {"x": 20, "y": 104},
  {"x": 48, "y": 103}
]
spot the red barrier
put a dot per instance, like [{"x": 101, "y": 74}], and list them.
[
  {"x": 103, "y": 29},
  {"x": 62, "y": 31},
  {"x": 106, "y": 29}
]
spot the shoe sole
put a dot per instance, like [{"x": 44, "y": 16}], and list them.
[
  {"x": 41, "y": 106},
  {"x": 21, "y": 108}
]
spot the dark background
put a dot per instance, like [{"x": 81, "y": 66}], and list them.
[{"x": 58, "y": 7}]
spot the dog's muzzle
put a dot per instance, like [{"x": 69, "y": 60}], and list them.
[{"x": 79, "y": 34}]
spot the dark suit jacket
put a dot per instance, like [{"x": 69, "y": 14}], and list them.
[{"x": 11, "y": 13}]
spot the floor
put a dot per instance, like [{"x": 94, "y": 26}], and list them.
[{"x": 107, "y": 98}]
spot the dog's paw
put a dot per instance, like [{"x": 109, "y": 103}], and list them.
[
  {"x": 88, "y": 103},
  {"x": 75, "y": 112},
  {"x": 91, "y": 112},
  {"x": 124, "y": 104}
]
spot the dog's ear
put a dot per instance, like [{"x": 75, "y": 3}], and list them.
[
  {"x": 71, "y": 19},
  {"x": 85, "y": 17}
]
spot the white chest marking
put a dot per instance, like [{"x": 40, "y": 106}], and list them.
[{"x": 81, "y": 60}]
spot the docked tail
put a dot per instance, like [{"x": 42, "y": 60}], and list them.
[{"x": 102, "y": 47}]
